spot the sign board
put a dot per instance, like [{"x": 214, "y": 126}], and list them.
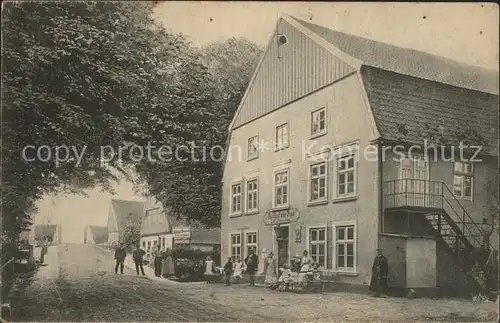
[
  {"x": 181, "y": 235},
  {"x": 281, "y": 217}
]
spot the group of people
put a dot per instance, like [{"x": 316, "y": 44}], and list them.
[
  {"x": 234, "y": 270},
  {"x": 302, "y": 265},
  {"x": 137, "y": 256}
]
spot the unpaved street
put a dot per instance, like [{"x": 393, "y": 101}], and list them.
[{"x": 78, "y": 284}]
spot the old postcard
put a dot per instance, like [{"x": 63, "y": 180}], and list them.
[{"x": 249, "y": 161}]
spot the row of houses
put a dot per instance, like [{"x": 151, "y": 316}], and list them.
[
  {"x": 332, "y": 129},
  {"x": 157, "y": 228}
]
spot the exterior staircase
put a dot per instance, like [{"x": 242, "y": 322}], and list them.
[{"x": 460, "y": 236}]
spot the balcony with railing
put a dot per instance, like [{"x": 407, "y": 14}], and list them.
[
  {"x": 434, "y": 201},
  {"x": 413, "y": 193}
]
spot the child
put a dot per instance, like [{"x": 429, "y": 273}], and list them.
[
  {"x": 238, "y": 270},
  {"x": 285, "y": 278},
  {"x": 209, "y": 263},
  {"x": 286, "y": 274},
  {"x": 228, "y": 271}
]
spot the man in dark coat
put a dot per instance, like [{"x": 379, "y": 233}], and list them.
[
  {"x": 157, "y": 261},
  {"x": 120, "y": 254},
  {"x": 251, "y": 262},
  {"x": 380, "y": 270},
  {"x": 138, "y": 255},
  {"x": 228, "y": 271}
]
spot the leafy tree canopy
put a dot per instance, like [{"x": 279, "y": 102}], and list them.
[{"x": 85, "y": 75}]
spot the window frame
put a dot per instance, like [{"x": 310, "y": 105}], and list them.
[
  {"x": 325, "y": 242},
  {"x": 247, "y": 244},
  {"x": 276, "y": 171},
  {"x": 248, "y": 192},
  {"x": 318, "y": 177},
  {"x": 344, "y": 152},
  {"x": 231, "y": 245},
  {"x": 241, "y": 193},
  {"x": 345, "y": 270},
  {"x": 277, "y": 145},
  {"x": 323, "y": 131},
  {"x": 463, "y": 174},
  {"x": 251, "y": 157}
]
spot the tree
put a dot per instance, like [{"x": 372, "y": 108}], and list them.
[
  {"x": 190, "y": 185},
  {"x": 132, "y": 229},
  {"x": 83, "y": 75}
]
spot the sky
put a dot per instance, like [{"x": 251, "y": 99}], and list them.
[{"x": 464, "y": 32}]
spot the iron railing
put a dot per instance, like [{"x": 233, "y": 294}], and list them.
[{"x": 434, "y": 196}]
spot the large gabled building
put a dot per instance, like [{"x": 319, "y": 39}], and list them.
[
  {"x": 332, "y": 129},
  {"x": 123, "y": 213}
]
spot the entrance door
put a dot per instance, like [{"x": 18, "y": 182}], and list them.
[
  {"x": 413, "y": 188},
  {"x": 283, "y": 242}
]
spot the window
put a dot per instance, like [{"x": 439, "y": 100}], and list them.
[
  {"x": 318, "y": 122},
  {"x": 345, "y": 248},
  {"x": 163, "y": 242},
  {"x": 346, "y": 174},
  {"x": 317, "y": 185},
  {"x": 149, "y": 246},
  {"x": 463, "y": 180},
  {"x": 281, "y": 188},
  {"x": 317, "y": 245},
  {"x": 251, "y": 242},
  {"x": 252, "y": 195},
  {"x": 236, "y": 198},
  {"x": 144, "y": 245},
  {"x": 253, "y": 147},
  {"x": 282, "y": 136},
  {"x": 235, "y": 246}
]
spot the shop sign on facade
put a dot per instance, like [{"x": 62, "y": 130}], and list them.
[
  {"x": 181, "y": 235},
  {"x": 281, "y": 217}
]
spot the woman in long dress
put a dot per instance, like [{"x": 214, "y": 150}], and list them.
[
  {"x": 209, "y": 268},
  {"x": 305, "y": 264},
  {"x": 271, "y": 275}
]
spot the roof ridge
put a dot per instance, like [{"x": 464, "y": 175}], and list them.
[
  {"x": 392, "y": 45},
  {"x": 122, "y": 200}
]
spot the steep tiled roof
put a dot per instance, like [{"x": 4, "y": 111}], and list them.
[
  {"x": 155, "y": 225},
  {"x": 100, "y": 234},
  {"x": 199, "y": 232},
  {"x": 124, "y": 208},
  {"x": 203, "y": 235},
  {"x": 403, "y": 106},
  {"x": 409, "y": 61}
]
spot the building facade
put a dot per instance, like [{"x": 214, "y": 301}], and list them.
[
  {"x": 311, "y": 160},
  {"x": 162, "y": 230},
  {"x": 123, "y": 215},
  {"x": 155, "y": 228}
]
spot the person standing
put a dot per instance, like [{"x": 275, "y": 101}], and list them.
[
  {"x": 228, "y": 271},
  {"x": 157, "y": 261},
  {"x": 271, "y": 275},
  {"x": 380, "y": 271},
  {"x": 209, "y": 270},
  {"x": 238, "y": 269},
  {"x": 251, "y": 262},
  {"x": 120, "y": 255},
  {"x": 138, "y": 255}
]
